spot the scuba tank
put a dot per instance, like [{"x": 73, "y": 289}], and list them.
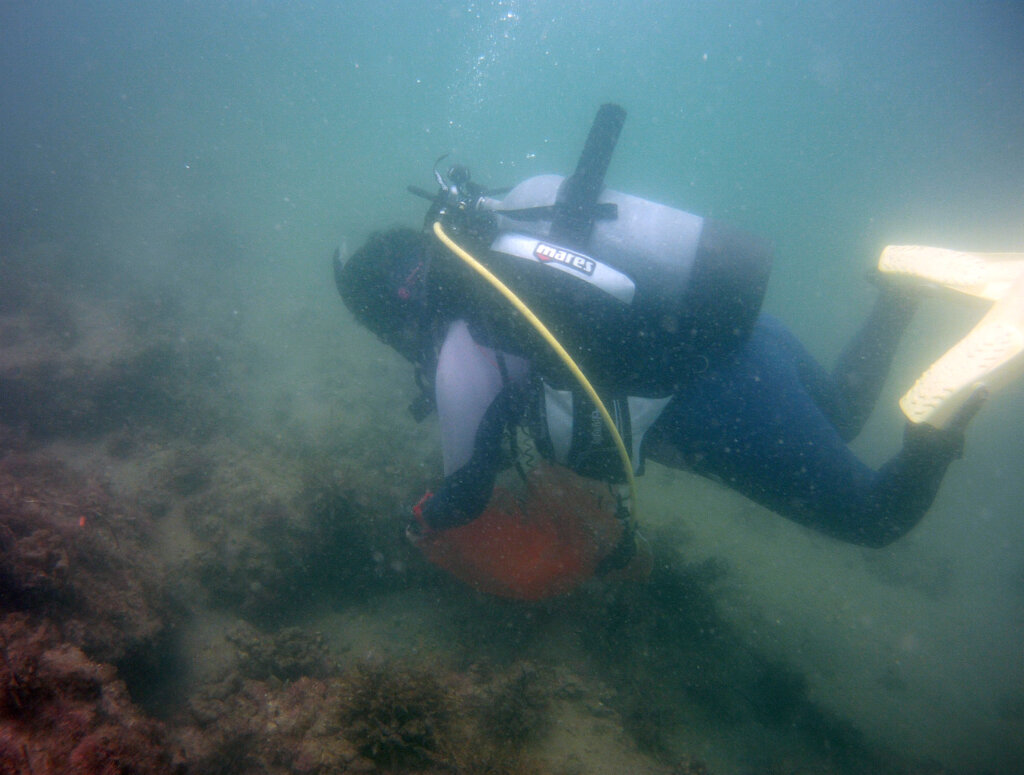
[
  {"x": 647, "y": 297},
  {"x": 647, "y": 245},
  {"x": 641, "y": 293}
]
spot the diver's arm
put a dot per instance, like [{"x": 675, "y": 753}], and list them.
[
  {"x": 475, "y": 400},
  {"x": 464, "y": 494}
]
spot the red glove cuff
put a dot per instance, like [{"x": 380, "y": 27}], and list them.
[{"x": 417, "y": 512}]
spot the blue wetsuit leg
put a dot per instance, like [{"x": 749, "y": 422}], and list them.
[
  {"x": 751, "y": 422},
  {"x": 848, "y": 395}
]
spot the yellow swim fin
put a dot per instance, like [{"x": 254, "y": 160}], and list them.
[
  {"x": 991, "y": 355},
  {"x": 986, "y": 275}
]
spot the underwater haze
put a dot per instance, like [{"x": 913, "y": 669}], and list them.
[{"x": 185, "y": 170}]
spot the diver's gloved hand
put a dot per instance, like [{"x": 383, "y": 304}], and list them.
[{"x": 927, "y": 443}]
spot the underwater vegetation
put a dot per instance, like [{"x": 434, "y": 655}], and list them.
[
  {"x": 94, "y": 677},
  {"x": 400, "y": 717},
  {"x": 285, "y": 655},
  {"x": 76, "y": 557},
  {"x": 390, "y": 716},
  {"x": 62, "y": 712}
]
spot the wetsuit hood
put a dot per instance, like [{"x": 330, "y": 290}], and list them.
[{"x": 384, "y": 286}]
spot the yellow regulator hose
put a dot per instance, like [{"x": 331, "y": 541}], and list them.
[{"x": 543, "y": 330}]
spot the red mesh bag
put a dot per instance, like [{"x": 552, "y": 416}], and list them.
[{"x": 540, "y": 544}]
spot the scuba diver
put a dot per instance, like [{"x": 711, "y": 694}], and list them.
[{"x": 661, "y": 311}]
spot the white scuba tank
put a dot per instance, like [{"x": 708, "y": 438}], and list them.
[
  {"x": 652, "y": 294},
  {"x": 647, "y": 245}
]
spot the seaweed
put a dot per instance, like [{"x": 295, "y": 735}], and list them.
[
  {"x": 283, "y": 656},
  {"x": 401, "y": 716},
  {"x": 74, "y": 555},
  {"x": 62, "y": 712}
]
